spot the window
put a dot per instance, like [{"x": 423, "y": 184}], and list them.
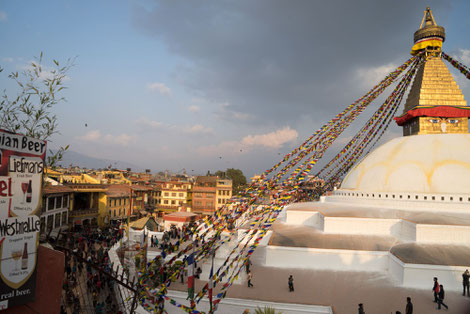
[
  {"x": 57, "y": 220},
  {"x": 65, "y": 201},
  {"x": 165, "y": 201},
  {"x": 115, "y": 212},
  {"x": 166, "y": 194},
  {"x": 50, "y": 205},
  {"x": 64, "y": 218},
  {"x": 173, "y": 194},
  {"x": 58, "y": 201},
  {"x": 180, "y": 194},
  {"x": 120, "y": 201},
  {"x": 50, "y": 221},
  {"x": 172, "y": 202},
  {"x": 219, "y": 201},
  {"x": 119, "y": 212}
]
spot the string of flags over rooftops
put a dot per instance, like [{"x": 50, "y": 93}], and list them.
[{"x": 281, "y": 181}]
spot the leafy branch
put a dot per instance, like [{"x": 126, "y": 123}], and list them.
[{"x": 30, "y": 111}]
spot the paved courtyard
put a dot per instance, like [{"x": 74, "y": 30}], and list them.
[{"x": 341, "y": 290}]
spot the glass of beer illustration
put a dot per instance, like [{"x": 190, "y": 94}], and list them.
[
  {"x": 24, "y": 188},
  {"x": 16, "y": 255}
]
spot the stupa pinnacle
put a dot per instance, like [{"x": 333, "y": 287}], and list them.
[{"x": 435, "y": 103}]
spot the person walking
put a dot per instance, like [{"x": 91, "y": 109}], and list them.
[
  {"x": 441, "y": 298},
  {"x": 247, "y": 265},
  {"x": 465, "y": 282},
  {"x": 250, "y": 277},
  {"x": 435, "y": 289},
  {"x": 360, "y": 310},
  {"x": 409, "y": 306},
  {"x": 291, "y": 283}
]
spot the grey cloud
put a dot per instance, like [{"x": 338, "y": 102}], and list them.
[{"x": 279, "y": 60}]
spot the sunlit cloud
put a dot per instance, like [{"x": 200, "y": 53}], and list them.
[
  {"x": 198, "y": 129},
  {"x": 194, "y": 108},
  {"x": 226, "y": 112},
  {"x": 159, "y": 87},
  {"x": 149, "y": 124},
  {"x": 271, "y": 140},
  {"x": 463, "y": 55},
  {"x": 3, "y": 16},
  {"x": 95, "y": 137},
  {"x": 274, "y": 139},
  {"x": 370, "y": 76}
]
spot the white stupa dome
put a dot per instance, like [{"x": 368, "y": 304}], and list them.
[{"x": 434, "y": 163}]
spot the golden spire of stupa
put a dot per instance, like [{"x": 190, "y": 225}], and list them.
[{"x": 435, "y": 103}]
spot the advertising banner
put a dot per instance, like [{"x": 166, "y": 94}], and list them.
[{"x": 21, "y": 170}]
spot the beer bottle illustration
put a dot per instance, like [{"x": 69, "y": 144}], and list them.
[
  {"x": 29, "y": 192},
  {"x": 24, "y": 258}
]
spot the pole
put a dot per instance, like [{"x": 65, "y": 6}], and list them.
[
  {"x": 129, "y": 213},
  {"x": 211, "y": 282}
]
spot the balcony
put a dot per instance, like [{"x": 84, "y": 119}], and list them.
[{"x": 84, "y": 212}]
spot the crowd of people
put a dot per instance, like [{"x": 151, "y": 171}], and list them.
[{"x": 86, "y": 288}]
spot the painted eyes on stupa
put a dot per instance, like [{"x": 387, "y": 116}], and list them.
[{"x": 452, "y": 121}]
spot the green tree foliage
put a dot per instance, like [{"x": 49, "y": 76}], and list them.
[{"x": 29, "y": 111}]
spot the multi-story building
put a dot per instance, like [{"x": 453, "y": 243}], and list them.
[
  {"x": 174, "y": 196},
  {"x": 142, "y": 199},
  {"x": 88, "y": 206},
  {"x": 209, "y": 193},
  {"x": 224, "y": 192},
  {"x": 110, "y": 177},
  {"x": 203, "y": 199},
  {"x": 118, "y": 202},
  {"x": 56, "y": 200}
]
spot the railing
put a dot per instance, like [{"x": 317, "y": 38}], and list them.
[{"x": 83, "y": 212}]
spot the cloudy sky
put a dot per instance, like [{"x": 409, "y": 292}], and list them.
[{"x": 207, "y": 85}]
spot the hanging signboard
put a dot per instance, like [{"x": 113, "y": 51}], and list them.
[{"x": 21, "y": 169}]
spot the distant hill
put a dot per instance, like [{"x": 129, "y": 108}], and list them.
[{"x": 84, "y": 161}]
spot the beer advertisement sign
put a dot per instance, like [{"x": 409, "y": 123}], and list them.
[{"x": 21, "y": 170}]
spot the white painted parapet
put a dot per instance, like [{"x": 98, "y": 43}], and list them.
[
  {"x": 421, "y": 276},
  {"x": 333, "y": 259},
  {"x": 407, "y": 275},
  {"x": 445, "y": 234},
  {"x": 307, "y": 218}
]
